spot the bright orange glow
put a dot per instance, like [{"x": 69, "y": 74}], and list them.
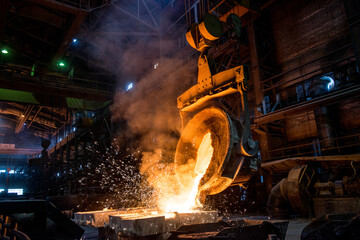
[
  {"x": 186, "y": 200},
  {"x": 144, "y": 213}
]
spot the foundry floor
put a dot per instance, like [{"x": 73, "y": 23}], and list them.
[
  {"x": 293, "y": 232},
  {"x": 90, "y": 233},
  {"x": 295, "y": 227}
]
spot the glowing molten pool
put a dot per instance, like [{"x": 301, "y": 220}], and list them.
[{"x": 187, "y": 198}]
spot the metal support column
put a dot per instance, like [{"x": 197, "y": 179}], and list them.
[
  {"x": 352, "y": 8},
  {"x": 255, "y": 69}
]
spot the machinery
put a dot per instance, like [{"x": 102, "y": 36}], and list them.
[
  {"x": 315, "y": 189},
  {"x": 310, "y": 189},
  {"x": 235, "y": 153},
  {"x": 233, "y": 156}
]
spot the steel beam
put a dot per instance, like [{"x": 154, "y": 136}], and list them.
[
  {"x": 32, "y": 120},
  {"x": 79, "y": 19},
  {"x": 326, "y": 100},
  {"x": 188, "y": 10},
  {"x": 128, "y": 33},
  {"x": 135, "y": 17},
  {"x": 27, "y": 113},
  {"x": 57, "y": 5},
  {"x": 21, "y": 151},
  {"x": 39, "y": 88},
  {"x": 33, "y": 35},
  {"x": 151, "y": 15},
  {"x": 255, "y": 69}
]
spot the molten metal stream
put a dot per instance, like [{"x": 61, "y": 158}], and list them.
[{"x": 187, "y": 200}]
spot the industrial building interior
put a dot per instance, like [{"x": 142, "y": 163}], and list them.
[{"x": 171, "y": 119}]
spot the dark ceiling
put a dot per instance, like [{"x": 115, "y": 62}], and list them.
[
  {"x": 62, "y": 53},
  {"x": 77, "y": 50}
]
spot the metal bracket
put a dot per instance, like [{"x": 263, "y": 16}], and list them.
[
  {"x": 204, "y": 75},
  {"x": 249, "y": 147}
]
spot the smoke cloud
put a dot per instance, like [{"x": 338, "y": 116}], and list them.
[
  {"x": 149, "y": 109},
  {"x": 151, "y": 113}
]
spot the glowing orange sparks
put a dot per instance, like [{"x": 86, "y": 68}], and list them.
[{"x": 187, "y": 200}]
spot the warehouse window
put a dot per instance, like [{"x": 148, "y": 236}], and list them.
[
  {"x": 18, "y": 191},
  {"x": 300, "y": 93}
]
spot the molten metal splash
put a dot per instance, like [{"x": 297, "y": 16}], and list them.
[{"x": 187, "y": 199}]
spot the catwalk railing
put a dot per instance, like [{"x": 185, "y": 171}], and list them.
[
  {"x": 19, "y": 74},
  {"x": 330, "y": 146},
  {"x": 282, "y": 80}
]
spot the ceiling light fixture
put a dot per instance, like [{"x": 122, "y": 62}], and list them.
[{"x": 130, "y": 86}]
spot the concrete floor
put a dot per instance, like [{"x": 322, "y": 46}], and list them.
[
  {"x": 90, "y": 233},
  {"x": 295, "y": 228}
]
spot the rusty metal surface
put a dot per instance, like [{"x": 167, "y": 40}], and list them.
[
  {"x": 93, "y": 218},
  {"x": 141, "y": 222},
  {"x": 220, "y": 83},
  {"x": 298, "y": 182},
  {"x": 139, "y": 226},
  {"x": 334, "y": 228},
  {"x": 335, "y": 205},
  {"x": 146, "y": 224},
  {"x": 237, "y": 228}
]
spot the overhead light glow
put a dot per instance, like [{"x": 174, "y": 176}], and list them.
[
  {"x": 22, "y": 115},
  {"x": 61, "y": 64},
  {"x": 331, "y": 82},
  {"x": 130, "y": 86},
  {"x": 18, "y": 191},
  {"x": 74, "y": 40},
  {"x": 4, "y": 51}
]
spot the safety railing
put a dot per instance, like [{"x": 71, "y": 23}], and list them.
[
  {"x": 58, "y": 80},
  {"x": 330, "y": 146},
  {"x": 281, "y": 79}
]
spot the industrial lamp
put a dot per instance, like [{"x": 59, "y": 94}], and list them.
[{"x": 4, "y": 51}]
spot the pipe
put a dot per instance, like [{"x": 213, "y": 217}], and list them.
[
  {"x": 277, "y": 205},
  {"x": 18, "y": 113},
  {"x": 325, "y": 126},
  {"x": 277, "y": 103},
  {"x": 354, "y": 175}
]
